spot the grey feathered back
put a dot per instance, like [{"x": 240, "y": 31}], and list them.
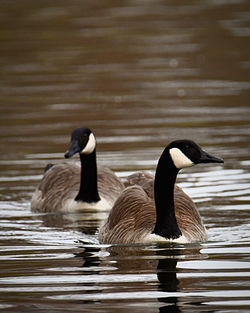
[{"x": 61, "y": 182}]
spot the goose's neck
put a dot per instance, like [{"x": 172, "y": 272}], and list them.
[
  {"x": 165, "y": 177},
  {"x": 88, "y": 184}
]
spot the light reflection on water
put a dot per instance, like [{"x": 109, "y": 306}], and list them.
[{"x": 139, "y": 74}]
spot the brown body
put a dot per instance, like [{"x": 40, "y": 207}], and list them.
[
  {"x": 133, "y": 215},
  {"x": 61, "y": 183}
]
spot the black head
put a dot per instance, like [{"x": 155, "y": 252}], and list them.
[
  {"x": 82, "y": 141},
  {"x": 185, "y": 153}
]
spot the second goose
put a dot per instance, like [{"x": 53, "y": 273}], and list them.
[{"x": 72, "y": 186}]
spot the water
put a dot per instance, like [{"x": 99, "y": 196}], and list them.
[{"x": 139, "y": 74}]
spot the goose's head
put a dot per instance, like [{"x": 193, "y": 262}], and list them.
[
  {"x": 186, "y": 153},
  {"x": 82, "y": 141}
]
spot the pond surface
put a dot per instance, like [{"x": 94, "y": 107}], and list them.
[{"x": 139, "y": 74}]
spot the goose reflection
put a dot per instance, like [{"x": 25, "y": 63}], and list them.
[
  {"x": 167, "y": 277},
  {"x": 141, "y": 269}
]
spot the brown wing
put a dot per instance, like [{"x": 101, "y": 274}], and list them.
[
  {"x": 188, "y": 216},
  {"x": 110, "y": 186},
  {"x": 59, "y": 183},
  {"x": 145, "y": 180},
  {"x": 131, "y": 218}
]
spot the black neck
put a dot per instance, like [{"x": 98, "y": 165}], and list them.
[
  {"x": 88, "y": 185},
  {"x": 165, "y": 177}
]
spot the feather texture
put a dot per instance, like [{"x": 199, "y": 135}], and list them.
[
  {"x": 61, "y": 183},
  {"x": 129, "y": 221},
  {"x": 154, "y": 208},
  {"x": 133, "y": 215}
]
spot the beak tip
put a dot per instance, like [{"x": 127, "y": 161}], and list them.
[
  {"x": 219, "y": 160},
  {"x": 207, "y": 158}
]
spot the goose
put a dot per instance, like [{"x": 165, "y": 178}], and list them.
[
  {"x": 71, "y": 186},
  {"x": 165, "y": 213}
]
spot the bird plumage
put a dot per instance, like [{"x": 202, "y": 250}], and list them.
[
  {"x": 70, "y": 186},
  {"x": 155, "y": 208}
]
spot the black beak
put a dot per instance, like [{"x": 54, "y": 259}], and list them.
[
  {"x": 73, "y": 149},
  {"x": 208, "y": 158}
]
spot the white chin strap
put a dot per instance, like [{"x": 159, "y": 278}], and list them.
[
  {"x": 90, "y": 146},
  {"x": 179, "y": 158}
]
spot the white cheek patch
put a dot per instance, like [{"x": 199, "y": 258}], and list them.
[
  {"x": 179, "y": 158},
  {"x": 90, "y": 146}
]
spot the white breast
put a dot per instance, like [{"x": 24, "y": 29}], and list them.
[
  {"x": 71, "y": 205},
  {"x": 157, "y": 238}
]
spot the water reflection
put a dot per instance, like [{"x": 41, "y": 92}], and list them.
[
  {"x": 168, "y": 281},
  {"x": 87, "y": 220},
  {"x": 138, "y": 265}
]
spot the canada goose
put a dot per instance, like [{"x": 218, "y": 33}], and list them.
[
  {"x": 72, "y": 186},
  {"x": 138, "y": 216}
]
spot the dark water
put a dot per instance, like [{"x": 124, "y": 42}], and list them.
[{"x": 139, "y": 74}]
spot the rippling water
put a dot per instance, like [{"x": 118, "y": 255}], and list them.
[{"x": 139, "y": 74}]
